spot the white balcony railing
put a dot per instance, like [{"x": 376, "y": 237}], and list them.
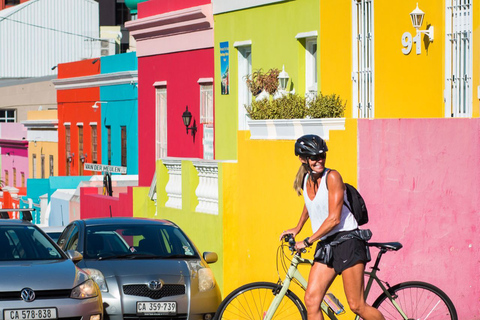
[
  {"x": 207, "y": 190},
  {"x": 174, "y": 185}
]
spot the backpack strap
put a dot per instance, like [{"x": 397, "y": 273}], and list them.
[{"x": 326, "y": 184}]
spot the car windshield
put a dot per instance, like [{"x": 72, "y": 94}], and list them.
[
  {"x": 26, "y": 243},
  {"x": 137, "y": 242}
]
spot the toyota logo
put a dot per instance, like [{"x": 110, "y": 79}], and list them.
[
  {"x": 28, "y": 295},
  {"x": 155, "y": 285}
]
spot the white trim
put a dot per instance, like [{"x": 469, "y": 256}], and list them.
[
  {"x": 92, "y": 124},
  {"x": 222, "y": 6},
  {"x": 160, "y": 84},
  {"x": 309, "y": 34},
  {"x": 79, "y": 124},
  {"x": 237, "y": 44},
  {"x": 41, "y": 124},
  {"x": 67, "y": 123},
  {"x": 98, "y": 80},
  {"x": 205, "y": 80}
]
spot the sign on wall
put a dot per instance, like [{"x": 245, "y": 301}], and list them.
[
  {"x": 224, "y": 67},
  {"x": 104, "y": 168}
]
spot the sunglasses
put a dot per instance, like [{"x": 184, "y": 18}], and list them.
[{"x": 321, "y": 156}]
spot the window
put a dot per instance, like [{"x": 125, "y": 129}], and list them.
[
  {"x": 363, "y": 68},
  {"x": 244, "y": 70},
  {"x": 80, "y": 150},
  {"x": 6, "y": 178},
  {"x": 67, "y": 149},
  {"x": 124, "y": 145},
  {"x": 34, "y": 166},
  {"x": 11, "y": 2},
  {"x": 161, "y": 122},
  {"x": 206, "y": 103},
  {"x": 52, "y": 173},
  {"x": 311, "y": 67},
  {"x": 14, "y": 173},
  {"x": 94, "y": 143},
  {"x": 458, "y": 58},
  {"x": 109, "y": 145},
  {"x": 22, "y": 174},
  {"x": 8, "y": 115},
  {"x": 42, "y": 165}
]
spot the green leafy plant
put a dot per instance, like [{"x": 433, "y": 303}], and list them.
[
  {"x": 329, "y": 106},
  {"x": 288, "y": 107},
  {"x": 259, "y": 81}
]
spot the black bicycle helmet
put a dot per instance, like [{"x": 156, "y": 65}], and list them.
[{"x": 310, "y": 145}]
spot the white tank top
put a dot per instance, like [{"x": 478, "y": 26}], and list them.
[{"x": 318, "y": 208}]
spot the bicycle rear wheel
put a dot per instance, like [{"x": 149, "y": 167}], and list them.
[
  {"x": 418, "y": 300},
  {"x": 251, "y": 302}
]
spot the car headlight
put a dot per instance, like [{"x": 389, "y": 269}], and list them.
[
  {"x": 97, "y": 276},
  {"x": 86, "y": 290},
  {"x": 206, "y": 280}
]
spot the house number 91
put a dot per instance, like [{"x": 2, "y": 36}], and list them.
[{"x": 407, "y": 43}]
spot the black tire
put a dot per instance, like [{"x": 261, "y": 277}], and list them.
[
  {"x": 418, "y": 300},
  {"x": 251, "y": 301}
]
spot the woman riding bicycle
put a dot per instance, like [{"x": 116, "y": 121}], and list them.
[{"x": 332, "y": 221}]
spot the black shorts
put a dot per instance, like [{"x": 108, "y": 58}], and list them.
[{"x": 346, "y": 254}]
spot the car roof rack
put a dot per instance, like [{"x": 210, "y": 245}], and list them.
[{"x": 27, "y": 213}]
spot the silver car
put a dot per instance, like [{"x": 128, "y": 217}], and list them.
[
  {"x": 146, "y": 269},
  {"x": 39, "y": 281}
]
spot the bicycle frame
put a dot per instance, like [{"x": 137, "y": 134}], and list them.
[{"x": 293, "y": 273}]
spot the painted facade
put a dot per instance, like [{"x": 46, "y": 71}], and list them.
[
  {"x": 14, "y": 152},
  {"x": 175, "y": 62}
]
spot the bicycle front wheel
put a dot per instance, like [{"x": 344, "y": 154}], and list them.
[
  {"x": 418, "y": 300},
  {"x": 251, "y": 302}
]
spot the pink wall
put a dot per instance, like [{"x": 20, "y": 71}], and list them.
[
  {"x": 96, "y": 206},
  {"x": 181, "y": 71},
  {"x": 421, "y": 182},
  {"x": 153, "y": 7}
]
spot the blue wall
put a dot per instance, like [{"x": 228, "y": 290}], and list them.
[{"x": 121, "y": 110}]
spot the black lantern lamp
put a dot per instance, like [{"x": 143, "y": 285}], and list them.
[{"x": 187, "y": 118}]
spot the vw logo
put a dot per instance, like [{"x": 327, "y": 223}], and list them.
[
  {"x": 155, "y": 285},
  {"x": 27, "y": 294}
]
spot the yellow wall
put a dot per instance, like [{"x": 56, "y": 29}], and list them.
[{"x": 260, "y": 203}]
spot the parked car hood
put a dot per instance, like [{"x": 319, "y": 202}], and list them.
[
  {"x": 139, "y": 267},
  {"x": 37, "y": 275}
]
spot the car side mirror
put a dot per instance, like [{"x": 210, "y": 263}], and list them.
[
  {"x": 74, "y": 255},
  {"x": 210, "y": 257}
]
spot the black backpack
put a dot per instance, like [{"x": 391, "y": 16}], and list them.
[{"x": 357, "y": 204}]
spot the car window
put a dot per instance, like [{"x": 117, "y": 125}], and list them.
[
  {"x": 62, "y": 240},
  {"x": 72, "y": 243},
  {"x": 26, "y": 243},
  {"x": 158, "y": 240}
]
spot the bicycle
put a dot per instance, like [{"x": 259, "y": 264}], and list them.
[{"x": 266, "y": 300}]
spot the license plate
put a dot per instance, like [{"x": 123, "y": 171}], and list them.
[
  {"x": 156, "y": 308},
  {"x": 30, "y": 314}
]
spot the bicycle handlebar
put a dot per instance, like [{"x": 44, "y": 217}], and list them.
[{"x": 291, "y": 242}]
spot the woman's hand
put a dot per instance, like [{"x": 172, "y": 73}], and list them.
[
  {"x": 300, "y": 246},
  {"x": 293, "y": 232}
]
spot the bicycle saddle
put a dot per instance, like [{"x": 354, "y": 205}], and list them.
[{"x": 395, "y": 246}]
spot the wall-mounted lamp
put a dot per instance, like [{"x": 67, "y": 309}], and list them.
[
  {"x": 70, "y": 157},
  {"x": 282, "y": 84},
  {"x": 83, "y": 157},
  {"x": 417, "y": 21},
  {"x": 187, "y": 118},
  {"x": 96, "y": 106}
]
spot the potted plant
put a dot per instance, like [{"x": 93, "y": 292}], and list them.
[{"x": 259, "y": 81}]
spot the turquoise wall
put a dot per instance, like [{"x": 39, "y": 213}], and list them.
[{"x": 121, "y": 110}]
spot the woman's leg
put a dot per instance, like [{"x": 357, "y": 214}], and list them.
[
  {"x": 320, "y": 278},
  {"x": 354, "y": 290}
]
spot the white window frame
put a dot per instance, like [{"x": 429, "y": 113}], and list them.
[
  {"x": 363, "y": 73},
  {"x": 161, "y": 119},
  {"x": 4, "y": 115},
  {"x": 244, "y": 49},
  {"x": 206, "y": 100},
  {"x": 458, "y": 58},
  {"x": 311, "y": 63}
]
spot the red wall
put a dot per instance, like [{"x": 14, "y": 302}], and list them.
[
  {"x": 154, "y": 7},
  {"x": 100, "y": 206},
  {"x": 74, "y": 106},
  {"x": 181, "y": 71}
]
